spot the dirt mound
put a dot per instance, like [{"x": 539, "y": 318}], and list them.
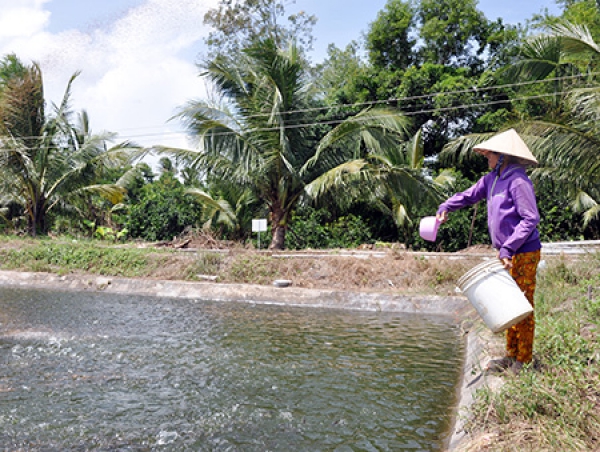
[{"x": 199, "y": 240}]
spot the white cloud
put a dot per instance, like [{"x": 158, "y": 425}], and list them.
[
  {"x": 135, "y": 72},
  {"x": 22, "y": 20}
]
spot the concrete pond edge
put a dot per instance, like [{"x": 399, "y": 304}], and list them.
[{"x": 457, "y": 308}]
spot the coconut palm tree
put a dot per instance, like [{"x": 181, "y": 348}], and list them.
[
  {"x": 264, "y": 135},
  {"x": 567, "y": 139},
  {"x": 47, "y": 163},
  {"x": 568, "y": 152},
  {"x": 391, "y": 178}
]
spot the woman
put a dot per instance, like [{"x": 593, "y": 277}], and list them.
[{"x": 512, "y": 221}]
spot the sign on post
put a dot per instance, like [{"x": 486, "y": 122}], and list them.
[{"x": 258, "y": 226}]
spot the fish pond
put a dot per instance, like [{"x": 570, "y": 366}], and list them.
[{"x": 89, "y": 371}]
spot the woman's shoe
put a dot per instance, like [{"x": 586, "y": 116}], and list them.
[
  {"x": 515, "y": 367},
  {"x": 500, "y": 365}
]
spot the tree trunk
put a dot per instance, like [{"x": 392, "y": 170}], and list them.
[
  {"x": 37, "y": 219},
  {"x": 31, "y": 219},
  {"x": 278, "y": 239},
  {"x": 31, "y": 226},
  {"x": 278, "y": 227}
]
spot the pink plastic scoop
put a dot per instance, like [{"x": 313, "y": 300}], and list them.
[{"x": 428, "y": 228}]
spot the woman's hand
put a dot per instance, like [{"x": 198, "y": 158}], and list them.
[
  {"x": 442, "y": 217},
  {"x": 506, "y": 262}
]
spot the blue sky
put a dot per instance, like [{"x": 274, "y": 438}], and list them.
[{"x": 138, "y": 57}]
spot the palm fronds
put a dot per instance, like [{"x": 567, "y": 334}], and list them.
[{"x": 48, "y": 160}]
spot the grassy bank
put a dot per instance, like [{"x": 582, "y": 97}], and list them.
[
  {"x": 391, "y": 270},
  {"x": 45, "y": 255},
  {"x": 552, "y": 405}
]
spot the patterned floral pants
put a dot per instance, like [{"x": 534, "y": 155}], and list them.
[{"x": 519, "y": 337}]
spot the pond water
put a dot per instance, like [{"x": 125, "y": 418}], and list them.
[{"x": 88, "y": 371}]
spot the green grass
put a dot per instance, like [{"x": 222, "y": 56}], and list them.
[
  {"x": 555, "y": 403},
  {"x": 61, "y": 258},
  {"x": 253, "y": 269}
]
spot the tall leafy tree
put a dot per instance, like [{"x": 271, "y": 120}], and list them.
[
  {"x": 390, "y": 40},
  {"x": 262, "y": 136},
  {"x": 428, "y": 59},
  {"x": 48, "y": 162},
  {"x": 454, "y": 32},
  {"x": 576, "y": 12},
  {"x": 236, "y": 24},
  {"x": 335, "y": 75},
  {"x": 162, "y": 211}
]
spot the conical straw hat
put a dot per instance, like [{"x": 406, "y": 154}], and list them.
[{"x": 509, "y": 143}]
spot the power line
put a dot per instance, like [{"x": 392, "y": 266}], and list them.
[
  {"x": 387, "y": 101},
  {"x": 413, "y": 113},
  {"x": 419, "y": 97},
  {"x": 425, "y": 96},
  {"x": 400, "y": 99},
  {"x": 334, "y": 122}
]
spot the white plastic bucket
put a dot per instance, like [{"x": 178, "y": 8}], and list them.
[{"x": 495, "y": 295}]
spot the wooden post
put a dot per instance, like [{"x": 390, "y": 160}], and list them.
[{"x": 472, "y": 225}]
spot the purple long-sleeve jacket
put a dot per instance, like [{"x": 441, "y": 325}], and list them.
[{"x": 512, "y": 210}]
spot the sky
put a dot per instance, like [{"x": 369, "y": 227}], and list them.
[{"x": 138, "y": 58}]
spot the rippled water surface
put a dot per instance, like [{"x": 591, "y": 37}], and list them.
[{"x": 83, "y": 371}]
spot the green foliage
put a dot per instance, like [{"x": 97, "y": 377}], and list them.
[
  {"x": 236, "y": 25},
  {"x": 581, "y": 12},
  {"x": 437, "y": 61},
  {"x": 454, "y": 234},
  {"x": 419, "y": 51},
  {"x": 454, "y": 32},
  {"x": 162, "y": 212},
  {"x": 106, "y": 233},
  {"x": 140, "y": 176},
  {"x": 433, "y": 95},
  {"x": 492, "y": 120},
  {"x": 257, "y": 144},
  {"x": 563, "y": 124},
  {"x": 389, "y": 40},
  {"x": 318, "y": 229},
  {"x": 391, "y": 179},
  {"x": 337, "y": 75},
  {"x": 11, "y": 68},
  {"x": 227, "y": 208},
  {"x": 558, "y": 220},
  {"x": 563, "y": 288},
  {"x": 51, "y": 163}
]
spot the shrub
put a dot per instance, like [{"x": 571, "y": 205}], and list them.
[
  {"x": 162, "y": 212},
  {"x": 313, "y": 228}
]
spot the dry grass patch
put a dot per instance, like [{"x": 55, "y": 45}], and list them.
[{"x": 387, "y": 272}]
